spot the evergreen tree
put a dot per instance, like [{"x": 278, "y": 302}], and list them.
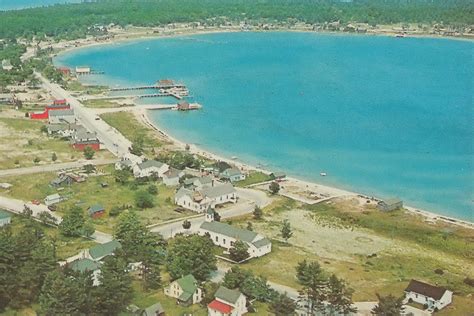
[
  {"x": 282, "y": 305},
  {"x": 60, "y": 295},
  {"x": 339, "y": 297},
  {"x": 115, "y": 291},
  {"x": 314, "y": 282},
  {"x": 286, "y": 231},
  {"x": 257, "y": 212},
  {"x": 239, "y": 251},
  {"x": 74, "y": 223},
  {"x": 274, "y": 187},
  {"x": 7, "y": 267},
  {"x": 388, "y": 306},
  {"x": 190, "y": 254}
]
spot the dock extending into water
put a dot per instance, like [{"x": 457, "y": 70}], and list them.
[
  {"x": 156, "y": 86},
  {"x": 138, "y": 96}
]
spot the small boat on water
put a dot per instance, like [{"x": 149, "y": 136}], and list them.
[
  {"x": 234, "y": 157},
  {"x": 323, "y": 174}
]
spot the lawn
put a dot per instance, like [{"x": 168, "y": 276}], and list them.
[
  {"x": 253, "y": 178},
  {"x": 23, "y": 141},
  {"x": 28, "y": 187},
  {"x": 127, "y": 124},
  {"x": 75, "y": 85},
  {"x": 102, "y": 104}
]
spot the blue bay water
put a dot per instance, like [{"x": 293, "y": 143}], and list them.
[{"x": 382, "y": 116}]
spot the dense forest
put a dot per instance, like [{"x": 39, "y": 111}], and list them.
[{"x": 73, "y": 20}]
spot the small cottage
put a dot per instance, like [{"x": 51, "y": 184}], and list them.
[
  {"x": 233, "y": 175},
  {"x": 96, "y": 211},
  {"x": 227, "y": 302},
  {"x": 185, "y": 290},
  {"x": 149, "y": 168},
  {"x": 390, "y": 205},
  {"x": 52, "y": 199},
  {"x": 5, "y": 218},
  {"x": 172, "y": 176},
  {"x": 87, "y": 265},
  {"x": 432, "y": 297}
]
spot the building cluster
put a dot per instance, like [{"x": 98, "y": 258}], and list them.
[{"x": 62, "y": 122}]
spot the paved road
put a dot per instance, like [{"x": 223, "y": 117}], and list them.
[
  {"x": 17, "y": 206},
  {"x": 54, "y": 167},
  {"x": 108, "y": 136}
]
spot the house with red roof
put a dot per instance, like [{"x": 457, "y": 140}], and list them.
[{"x": 227, "y": 302}]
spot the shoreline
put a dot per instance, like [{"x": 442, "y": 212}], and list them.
[{"x": 143, "y": 116}]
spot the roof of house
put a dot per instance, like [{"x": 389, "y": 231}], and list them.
[
  {"x": 425, "y": 289},
  {"x": 232, "y": 172},
  {"x": 54, "y": 196},
  {"x": 204, "y": 180},
  {"x": 220, "y": 307},
  {"x": 189, "y": 285},
  {"x": 229, "y": 230},
  {"x": 96, "y": 208},
  {"x": 57, "y": 127},
  {"x": 392, "y": 201},
  {"x": 217, "y": 191},
  {"x": 4, "y": 214},
  {"x": 103, "y": 250},
  {"x": 172, "y": 173},
  {"x": 182, "y": 192},
  {"x": 227, "y": 295},
  {"x": 84, "y": 134},
  {"x": 150, "y": 163},
  {"x": 189, "y": 181},
  {"x": 84, "y": 265},
  {"x": 153, "y": 310},
  {"x": 262, "y": 242},
  {"x": 68, "y": 112}
]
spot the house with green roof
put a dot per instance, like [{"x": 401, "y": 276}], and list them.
[
  {"x": 5, "y": 218},
  {"x": 100, "y": 251},
  {"x": 96, "y": 211},
  {"x": 186, "y": 290},
  {"x": 225, "y": 235},
  {"x": 87, "y": 265},
  {"x": 227, "y": 302}
]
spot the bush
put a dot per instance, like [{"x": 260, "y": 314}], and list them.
[
  {"x": 152, "y": 189},
  {"x": 36, "y": 160},
  {"x": 144, "y": 199},
  {"x": 469, "y": 281},
  {"x": 439, "y": 271},
  {"x": 115, "y": 211}
]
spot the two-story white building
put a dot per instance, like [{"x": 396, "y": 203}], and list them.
[
  {"x": 227, "y": 302},
  {"x": 172, "y": 176},
  {"x": 434, "y": 297},
  {"x": 149, "y": 168},
  {"x": 233, "y": 175},
  {"x": 225, "y": 235},
  {"x": 128, "y": 160},
  {"x": 200, "y": 199},
  {"x": 186, "y": 290}
]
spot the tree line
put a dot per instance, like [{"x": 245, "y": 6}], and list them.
[{"x": 75, "y": 20}]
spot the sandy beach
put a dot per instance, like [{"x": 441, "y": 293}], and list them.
[{"x": 323, "y": 190}]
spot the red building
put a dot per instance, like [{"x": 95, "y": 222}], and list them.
[
  {"x": 96, "y": 211},
  {"x": 64, "y": 70},
  {"x": 39, "y": 115},
  {"x": 81, "y": 145},
  {"x": 60, "y": 102}
]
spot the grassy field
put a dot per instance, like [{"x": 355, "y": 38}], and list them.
[
  {"x": 402, "y": 257},
  {"x": 98, "y": 104},
  {"x": 75, "y": 85},
  {"x": 253, "y": 178},
  {"x": 28, "y": 187},
  {"x": 23, "y": 141},
  {"x": 127, "y": 124}
]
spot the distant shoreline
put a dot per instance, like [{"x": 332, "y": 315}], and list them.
[{"x": 197, "y": 150}]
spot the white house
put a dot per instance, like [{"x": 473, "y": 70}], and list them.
[
  {"x": 128, "y": 160},
  {"x": 64, "y": 130},
  {"x": 185, "y": 290},
  {"x": 233, "y": 175},
  {"x": 227, "y": 303},
  {"x": 434, "y": 297},
  {"x": 82, "y": 135},
  {"x": 149, "y": 168},
  {"x": 61, "y": 117},
  {"x": 199, "y": 200},
  {"x": 225, "y": 235},
  {"x": 52, "y": 199},
  {"x": 172, "y": 176},
  {"x": 5, "y": 218},
  {"x": 83, "y": 70}
]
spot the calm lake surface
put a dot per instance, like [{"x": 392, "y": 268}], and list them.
[{"x": 382, "y": 116}]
